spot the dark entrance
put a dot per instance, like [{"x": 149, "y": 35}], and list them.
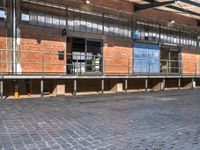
[
  {"x": 170, "y": 60},
  {"x": 84, "y": 56}
]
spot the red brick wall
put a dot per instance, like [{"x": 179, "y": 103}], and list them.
[
  {"x": 198, "y": 63},
  {"x": 189, "y": 61},
  {"x": 45, "y": 43},
  {"x": 118, "y": 54},
  {"x": 2, "y": 47}
]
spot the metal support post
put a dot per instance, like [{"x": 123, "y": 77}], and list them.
[
  {"x": 146, "y": 85},
  {"x": 1, "y": 89},
  {"x": 163, "y": 85},
  {"x": 179, "y": 84},
  {"x": 42, "y": 87},
  {"x": 126, "y": 85},
  {"x": 75, "y": 87},
  {"x": 16, "y": 89},
  {"x": 193, "y": 83},
  {"x": 102, "y": 86}
]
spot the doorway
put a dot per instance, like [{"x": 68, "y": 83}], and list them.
[
  {"x": 84, "y": 56},
  {"x": 170, "y": 60}
]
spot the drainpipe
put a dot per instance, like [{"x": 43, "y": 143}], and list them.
[
  {"x": 14, "y": 37},
  {"x": 14, "y": 61}
]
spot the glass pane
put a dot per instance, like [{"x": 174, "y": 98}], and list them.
[
  {"x": 41, "y": 19},
  {"x": 49, "y": 21},
  {"x": 25, "y": 17},
  {"x": 2, "y": 14},
  {"x": 33, "y": 18},
  {"x": 56, "y": 21}
]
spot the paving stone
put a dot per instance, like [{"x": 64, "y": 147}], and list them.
[{"x": 135, "y": 121}]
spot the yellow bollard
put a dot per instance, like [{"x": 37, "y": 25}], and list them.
[
  {"x": 16, "y": 91},
  {"x": 16, "y": 94}
]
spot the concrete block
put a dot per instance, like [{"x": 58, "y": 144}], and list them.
[
  {"x": 118, "y": 87},
  {"x": 59, "y": 88}
]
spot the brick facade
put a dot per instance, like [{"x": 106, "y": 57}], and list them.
[
  {"x": 41, "y": 45},
  {"x": 3, "y": 47},
  {"x": 118, "y": 55},
  {"x": 189, "y": 61}
]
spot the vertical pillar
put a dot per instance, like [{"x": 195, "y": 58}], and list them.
[
  {"x": 102, "y": 86},
  {"x": 146, "y": 85},
  {"x": 179, "y": 84},
  {"x": 75, "y": 87},
  {"x": 126, "y": 85},
  {"x": 9, "y": 33},
  {"x": 163, "y": 85},
  {"x": 1, "y": 89},
  {"x": 193, "y": 83},
  {"x": 16, "y": 89},
  {"x": 14, "y": 29},
  {"x": 42, "y": 87}
]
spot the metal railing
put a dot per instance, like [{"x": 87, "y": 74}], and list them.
[{"x": 49, "y": 62}]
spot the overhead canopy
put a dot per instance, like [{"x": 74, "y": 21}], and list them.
[{"x": 190, "y": 8}]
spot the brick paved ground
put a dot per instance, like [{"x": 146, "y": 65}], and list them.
[{"x": 160, "y": 120}]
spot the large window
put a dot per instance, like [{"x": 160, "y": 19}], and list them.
[
  {"x": 2, "y": 10},
  {"x": 146, "y": 58},
  {"x": 2, "y": 14},
  {"x": 159, "y": 33},
  {"x": 120, "y": 27},
  {"x": 86, "y": 56},
  {"x": 145, "y": 31},
  {"x": 84, "y": 21},
  {"x": 81, "y": 21},
  {"x": 43, "y": 19}
]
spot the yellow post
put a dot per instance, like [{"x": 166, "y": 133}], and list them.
[{"x": 16, "y": 90}]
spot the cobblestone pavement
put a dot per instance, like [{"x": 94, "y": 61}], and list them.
[{"x": 135, "y": 121}]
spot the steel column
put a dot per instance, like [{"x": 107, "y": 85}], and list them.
[
  {"x": 75, "y": 87},
  {"x": 163, "y": 85},
  {"x": 179, "y": 84},
  {"x": 126, "y": 85},
  {"x": 1, "y": 89},
  {"x": 102, "y": 86},
  {"x": 42, "y": 88},
  {"x": 146, "y": 85},
  {"x": 193, "y": 83}
]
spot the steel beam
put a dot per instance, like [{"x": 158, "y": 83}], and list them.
[
  {"x": 190, "y": 2},
  {"x": 176, "y": 7},
  {"x": 183, "y": 10},
  {"x": 152, "y": 4}
]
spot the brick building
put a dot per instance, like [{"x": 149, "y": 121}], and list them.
[{"x": 70, "y": 46}]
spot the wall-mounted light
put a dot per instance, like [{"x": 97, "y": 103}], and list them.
[
  {"x": 171, "y": 23},
  {"x": 87, "y": 2}
]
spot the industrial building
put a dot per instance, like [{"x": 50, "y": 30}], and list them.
[{"x": 64, "y": 47}]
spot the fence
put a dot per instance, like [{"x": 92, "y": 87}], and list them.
[{"x": 48, "y": 63}]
